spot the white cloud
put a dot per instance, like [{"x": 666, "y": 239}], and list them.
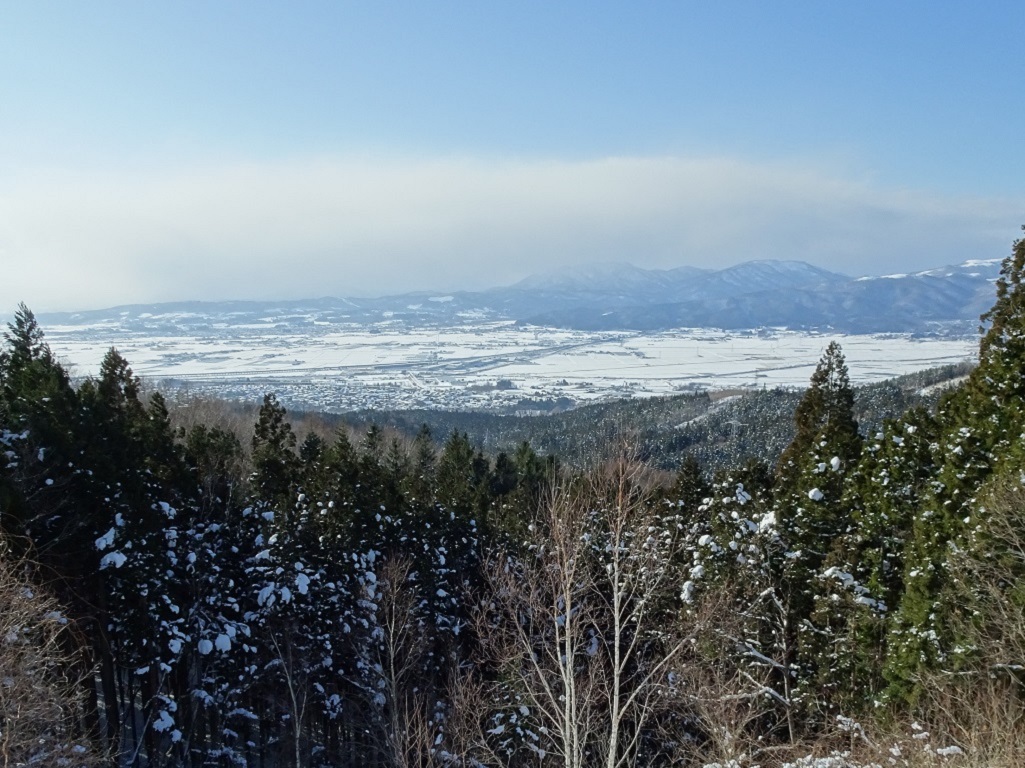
[{"x": 347, "y": 225}]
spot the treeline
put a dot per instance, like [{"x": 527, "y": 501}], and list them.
[{"x": 388, "y": 602}]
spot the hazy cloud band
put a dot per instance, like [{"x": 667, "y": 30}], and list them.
[{"x": 344, "y": 226}]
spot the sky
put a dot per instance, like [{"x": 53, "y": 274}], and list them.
[{"x": 261, "y": 150}]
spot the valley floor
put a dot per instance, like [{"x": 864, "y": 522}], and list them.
[{"x": 489, "y": 366}]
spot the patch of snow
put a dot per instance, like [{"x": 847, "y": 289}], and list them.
[
  {"x": 163, "y": 722},
  {"x": 687, "y": 594},
  {"x": 117, "y": 559},
  {"x": 266, "y": 595},
  {"x": 106, "y": 540}
]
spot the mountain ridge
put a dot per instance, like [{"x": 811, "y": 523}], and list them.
[{"x": 619, "y": 296}]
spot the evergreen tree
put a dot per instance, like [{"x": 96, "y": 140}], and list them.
[
  {"x": 885, "y": 492},
  {"x": 690, "y": 488},
  {"x": 997, "y": 387},
  {"x": 420, "y": 485},
  {"x": 275, "y": 462},
  {"x": 980, "y": 428},
  {"x": 213, "y": 457},
  {"x": 462, "y": 475},
  {"x": 810, "y": 473},
  {"x": 311, "y": 452},
  {"x": 312, "y": 477},
  {"x": 813, "y": 521},
  {"x": 866, "y": 572},
  {"x": 39, "y": 412},
  {"x": 342, "y": 477}
]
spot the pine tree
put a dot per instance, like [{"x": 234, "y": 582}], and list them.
[
  {"x": 275, "y": 462},
  {"x": 813, "y": 521},
  {"x": 213, "y": 457},
  {"x": 690, "y": 487},
  {"x": 462, "y": 475},
  {"x": 342, "y": 481},
  {"x": 39, "y": 412},
  {"x": 810, "y": 474},
  {"x": 24, "y": 341},
  {"x": 420, "y": 486},
  {"x": 867, "y": 571}
]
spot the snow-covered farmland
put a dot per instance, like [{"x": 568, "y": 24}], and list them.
[{"x": 489, "y": 365}]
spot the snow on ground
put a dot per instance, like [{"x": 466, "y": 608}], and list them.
[{"x": 389, "y": 365}]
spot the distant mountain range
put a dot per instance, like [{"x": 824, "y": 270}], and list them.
[{"x": 790, "y": 294}]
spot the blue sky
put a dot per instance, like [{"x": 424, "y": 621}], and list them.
[{"x": 257, "y": 150}]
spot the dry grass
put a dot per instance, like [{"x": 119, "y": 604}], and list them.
[{"x": 41, "y": 717}]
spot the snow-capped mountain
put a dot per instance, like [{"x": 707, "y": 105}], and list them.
[
  {"x": 652, "y": 286},
  {"x": 769, "y": 275},
  {"x": 798, "y": 295},
  {"x": 753, "y": 294}
]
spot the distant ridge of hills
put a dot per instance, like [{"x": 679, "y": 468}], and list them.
[
  {"x": 799, "y": 296},
  {"x": 613, "y": 296}
]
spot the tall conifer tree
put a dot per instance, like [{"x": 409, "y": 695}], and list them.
[{"x": 813, "y": 518}]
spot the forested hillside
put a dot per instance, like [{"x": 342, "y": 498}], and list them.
[
  {"x": 379, "y": 602},
  {"x": 719, "y": 429}
]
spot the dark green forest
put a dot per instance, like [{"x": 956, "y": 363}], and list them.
[
  {"x": 418, "y": 591},
  {"x": 719, "y": 429}
]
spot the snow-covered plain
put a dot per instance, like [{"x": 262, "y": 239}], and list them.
[{"x": 393, "y": 365}]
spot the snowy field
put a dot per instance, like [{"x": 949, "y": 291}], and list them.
[{"x": 389, "y": 365}]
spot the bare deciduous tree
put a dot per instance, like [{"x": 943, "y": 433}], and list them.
[
  {"x": 584, "y": 631},
  {"x": 398, "y": 651},
  {"x": 727, "y": 692}
]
